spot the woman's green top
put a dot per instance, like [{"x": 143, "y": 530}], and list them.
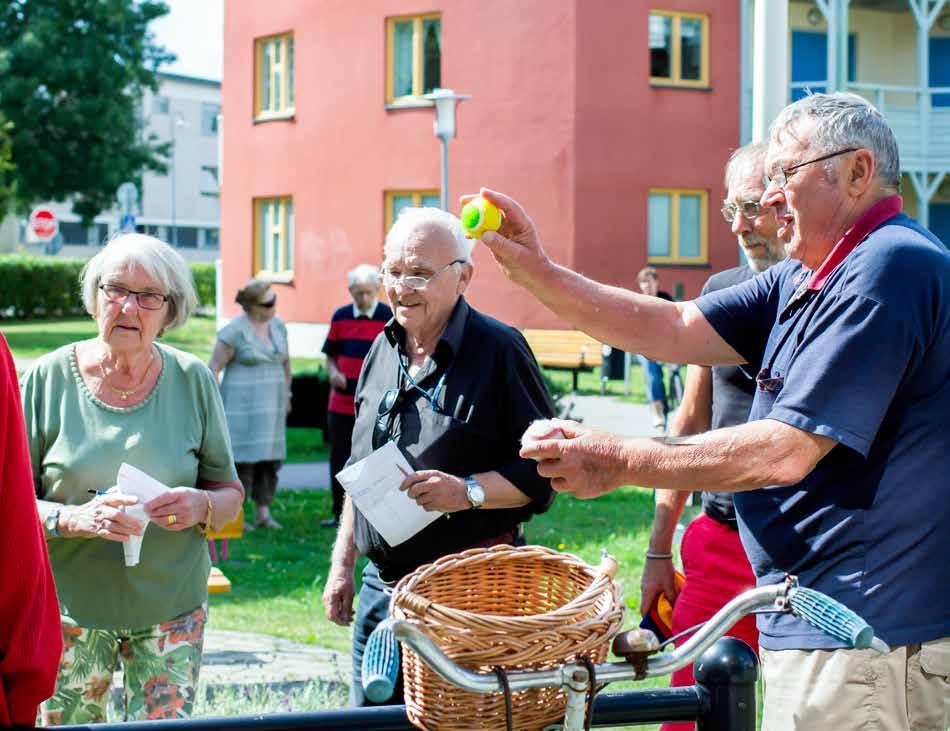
[{"x": 177, "y": 434}]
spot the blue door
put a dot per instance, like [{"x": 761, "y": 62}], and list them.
[
  {"x": 810, "y": 60},
  {"x": 940, "y": 221},
  {"x": 940, "y": 70}
]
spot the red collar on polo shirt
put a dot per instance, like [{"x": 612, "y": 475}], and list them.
[{"x": 877, "y": 214}]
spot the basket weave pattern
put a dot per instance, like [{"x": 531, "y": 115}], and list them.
[{"x": 517, "y": 608}]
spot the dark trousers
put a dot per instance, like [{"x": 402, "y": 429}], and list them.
[
  {"x": 259, "y": 480},
  {"x": 340, "y": 432},
  {"x": 372, "y": 609}
]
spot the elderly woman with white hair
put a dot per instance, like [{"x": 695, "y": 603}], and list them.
[
  {"x": 90, "y": 406},
  {"x": 454, "y": 390},
  {"x": 353, "y": 328}
]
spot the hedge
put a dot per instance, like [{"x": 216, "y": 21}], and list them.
[{"x": 49, "y": 287}]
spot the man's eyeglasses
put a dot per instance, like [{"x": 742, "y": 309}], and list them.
[
  {"x": 747, "y": 209},
  {"x": 145, "y": 300},
  {"x": 780, "y": 178},
  {"x": 270, "y": 303},
  {"x": 415, "y": 281}
]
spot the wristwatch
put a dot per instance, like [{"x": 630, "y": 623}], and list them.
[
  {"x": 52, "y": 522},
  {"x": 474, "y": 492}
]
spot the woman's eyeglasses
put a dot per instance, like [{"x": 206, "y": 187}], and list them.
[{"x": 145, "y": 300}]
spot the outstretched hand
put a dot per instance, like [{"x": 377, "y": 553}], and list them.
[
  {"x": 587, "y": 462},
  {"x": 516, "y": 245}
]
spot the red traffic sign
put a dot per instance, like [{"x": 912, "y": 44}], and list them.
[{"x": 43, "y": 224}]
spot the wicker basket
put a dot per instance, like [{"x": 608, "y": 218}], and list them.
[{"x": 517, "y": 608}]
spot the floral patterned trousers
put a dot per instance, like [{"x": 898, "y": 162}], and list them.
[{"x": 160, "y": 665}]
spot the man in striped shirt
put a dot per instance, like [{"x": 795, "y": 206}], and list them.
[{"x": 353, "y": 329}]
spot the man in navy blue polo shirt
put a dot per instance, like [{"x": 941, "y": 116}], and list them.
[{"x": 841, "y": 471}]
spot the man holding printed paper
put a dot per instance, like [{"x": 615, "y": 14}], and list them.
[{"x": 454, "y": 390}]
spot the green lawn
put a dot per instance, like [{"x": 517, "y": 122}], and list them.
[
  {"x": 278, "y": 577},
  {"x": 33, "y": 338},
  {"x": 589, "y": 384}
]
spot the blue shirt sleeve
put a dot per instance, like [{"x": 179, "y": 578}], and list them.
[
  {"x": 743, "y": 314},
  {"x": 844, "y": 374}
]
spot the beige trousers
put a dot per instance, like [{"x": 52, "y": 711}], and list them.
[{"x": 857, "y": 690}]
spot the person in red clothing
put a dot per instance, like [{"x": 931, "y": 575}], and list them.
[
  {"x": 714, "y": 560},
  {"x": 353, "y": 329},
  {"x": 31, "y": 639}
]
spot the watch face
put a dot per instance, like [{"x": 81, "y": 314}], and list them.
[{"x": 476, "y": 495}]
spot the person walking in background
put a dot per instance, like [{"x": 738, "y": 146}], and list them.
[
  {"x": 252, "y": 351},
  {"x": 31, "y": 638},
  {"x": 714, "y": 560},
  {"x": 649, "y": 282},
  {"x": 353, "y": 329},
  {"x": 88, "y": 407}
]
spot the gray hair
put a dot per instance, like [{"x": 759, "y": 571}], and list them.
[
  {"x": 160, "y": 261},
  {"x": 363, "y": 274},
  {"x": 752, "y": 154},
  {"x": 846, "y": 120},
  {"x": 412, "y": 218}
]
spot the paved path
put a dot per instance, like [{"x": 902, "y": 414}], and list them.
[{"x": 256, "y": 659}]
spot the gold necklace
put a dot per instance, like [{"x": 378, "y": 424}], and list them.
[{"x": 125, "y": 393}]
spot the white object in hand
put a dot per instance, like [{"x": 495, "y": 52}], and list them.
[
  {"x": 540, "y": 430},
  {"x": 133, "y": 546}
]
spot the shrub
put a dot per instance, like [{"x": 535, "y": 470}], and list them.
[{"x": 33, "y": 286}]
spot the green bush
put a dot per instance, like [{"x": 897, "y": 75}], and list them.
[
  {"x": 204, "y": 283},
  {"x": 33, "y": 286}
]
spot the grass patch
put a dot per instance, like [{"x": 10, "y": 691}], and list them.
[
  {"x": 589, "y": 384},
  {"x": 306, "y": 445},
  {"x": 35, "y": 338},
  {"x": 278, "y": 576}
]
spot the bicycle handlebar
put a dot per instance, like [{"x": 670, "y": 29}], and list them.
[{"x": 815, "y": 608}]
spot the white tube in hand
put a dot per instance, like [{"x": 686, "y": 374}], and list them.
[{"x": 133, "y": 547}]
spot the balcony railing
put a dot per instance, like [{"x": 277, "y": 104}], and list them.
[{"x": 910, "y": 120}]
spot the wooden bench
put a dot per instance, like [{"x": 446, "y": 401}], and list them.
[
  {"x": 564, "y": 350},
  {"x": 218, "y": 583}
]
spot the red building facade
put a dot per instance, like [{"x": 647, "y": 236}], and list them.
[{"x": 611, "y": 122}]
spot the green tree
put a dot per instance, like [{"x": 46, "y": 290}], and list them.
[{"x": 72, "y": 75}]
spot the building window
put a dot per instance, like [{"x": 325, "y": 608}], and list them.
[
  {"x": 212, "y": 238},
  {"x": 274, "y": 238},
  {"x": 677, "y": 226},
  {"x": 679, "y": 48},
  {"x": 274, "y": 74},
  {"x": 413, "y": 57},
  {"x": 209, "y": 118},
  {"x": 396, "y": 200},
  {"x": 159, "y": 105}
]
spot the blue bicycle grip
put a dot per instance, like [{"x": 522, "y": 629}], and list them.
[
  {"x": 380, "y": 665},
  {"x": 831, "y": 617}
]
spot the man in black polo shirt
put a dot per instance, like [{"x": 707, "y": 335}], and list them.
[
  {"x": 455, "y": 390},
  {"x": 714, "y": 560}
]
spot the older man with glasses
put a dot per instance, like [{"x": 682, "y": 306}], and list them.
[
  {"x": 840, "y": 474},
  {"x": 454, "y": 390}
]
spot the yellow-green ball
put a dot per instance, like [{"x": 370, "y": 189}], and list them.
[{"x": 479, "y": 216}]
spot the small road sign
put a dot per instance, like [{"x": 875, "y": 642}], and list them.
[{"x": 43, "y": 224}]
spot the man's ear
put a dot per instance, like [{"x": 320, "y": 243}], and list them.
[
  {"x": 468, "y": 269},
  {"x": 861, "y": 172}
]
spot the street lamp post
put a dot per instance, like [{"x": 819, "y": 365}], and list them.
[
  {"x": 174, "y": 120},
  {"x": 445, "y": 101}
]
